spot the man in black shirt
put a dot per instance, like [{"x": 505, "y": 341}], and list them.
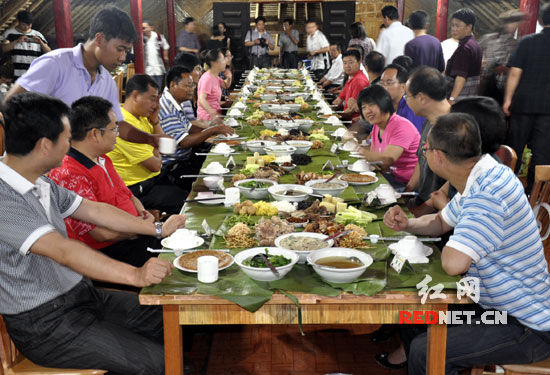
[{"x": 526, "y": 97}]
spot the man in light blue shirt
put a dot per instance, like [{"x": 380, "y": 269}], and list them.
[
  {"x": 496, "y": 240},
  {"x": 71, "y": 73}
]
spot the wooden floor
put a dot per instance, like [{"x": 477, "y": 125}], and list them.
[{"x": 281, "y": 350}]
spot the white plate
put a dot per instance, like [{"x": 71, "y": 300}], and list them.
[
  {"x": 357, "y": 171},
  {"x": 225, "y": 170},
  {"x": 214, "y": 202},
  {"x": 198, "y": 242},
  {"x": 413, "y": 260},
  {"x": 177, "y": 265},
  {"x": 361, "y": 183}
]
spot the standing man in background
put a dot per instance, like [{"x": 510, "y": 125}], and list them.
[
  {"x": 24, "y": 43},
  {"x": 187, "y": 41},
  {"x": 392, "y": 39},
  {"x": 317, "y": 48},
  {"x": 156, "y": 53},
  {"x": 288, "y": 41},
  {"x": 260, "y": 42},
  {"x": 424, "y": 49}
]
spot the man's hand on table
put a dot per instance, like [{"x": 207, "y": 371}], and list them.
[
  {"x": 223, "y": 129},
  {"x": 152, "y": 272},
  {"x": 396, "y": 219},
  {"x": 173, "y": 223}
]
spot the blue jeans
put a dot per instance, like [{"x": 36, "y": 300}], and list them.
[{"x": 473, "y": 344}]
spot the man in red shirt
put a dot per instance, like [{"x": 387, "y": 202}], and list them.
[
  {"x": 357, "y": 81},
  {"x": 87, "y": 171}
]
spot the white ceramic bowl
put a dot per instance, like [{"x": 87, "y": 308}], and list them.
[
  {"x": 333, "y": 192},
  {"x": 274, "y": 191},
  {"x": 304, "y": 124},
  {"x": 293, "y": 88},
  {"x": 259, "y": 146},
  {"x": 265, "y": 274},
  {"x": 339, "y": 275},
  {"x": 303, "y": 254},
  {"x": 268, "y": 97},
  {"x": 280, "y": 150},
  {"x": 302, "y": 147},
  {"x": 288, "y": 125},
  {"x": 272, "y": 123},
  {"x": 274, "y": 88},
  {"x": 293, "y": 107},
  {"x": 211, "y": 182},
  {"x": 258, "y": 193},
  {"x": 289, "y": 168}
]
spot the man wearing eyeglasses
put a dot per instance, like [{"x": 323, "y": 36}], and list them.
[{"x": 89, "y": 172}]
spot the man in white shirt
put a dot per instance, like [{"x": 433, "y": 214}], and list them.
[
  {"x": 391, "y": 41},
  {"x": 156, "y": 53},
  {"x": 335, "y": 75},
  {"x": 317, "y": 48}
]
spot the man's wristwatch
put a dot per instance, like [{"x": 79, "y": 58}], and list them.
[
  {"x": 158, "y": 229},
  {"x": 452, "y": 99}
]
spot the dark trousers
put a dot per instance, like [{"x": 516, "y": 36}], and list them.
[
  {"x": 474, "y": 344},
  {"x": 159, "y": 194},
  {"x": 263, "y": 61},
  {"x": 290, "y": 60},
  {"x": 532, "y": 130},
  {"x": 132, "y": 251},
  {"x": 89, "y": 328},
  {"x": 319, "y": 73}
]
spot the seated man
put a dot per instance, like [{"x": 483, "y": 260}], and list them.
[
  {"x": 357, "y": 81},
  {"x": 179, "y": 88},
  {"x": 375, "y": 63},
  {"x": 139, "y": 165},
  {"x": 87, "y": 171},
  {"x": 394, "y": 80},
  {"x": 495, "y": 240},
  {"x": 53, "y": 314},
  {"x": 335, "y": 75}
]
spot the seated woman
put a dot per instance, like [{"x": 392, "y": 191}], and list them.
[
  {"x": 209, "y": 90},
  {"x": 394, "y": 139}
]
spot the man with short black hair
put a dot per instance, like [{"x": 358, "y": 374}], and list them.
[
  {"x": 186, "y": 40},
  {"x": 260, "y": 42},
  {"x": 526, "y": 97},
  {"x": 71, "y": 73},
  {"x": 288, "y": 41},
  {"x": 356, "y": 82},
  {"x": 335, "y": 75},
  {"x": 495, "y": 241},
  {"x": 424, "y": 49},
  {"x": 392, "y": 39},
  {"x": 375, "y": 66},
  {"x": 140, "y": 165},
  {"x": 464, "y": 67},
  {"x": 317, "y": 48},
  {"x": 52, "y": 312},
  {"x": 394, "y": 80},
  {"x": 23, "y": 43}
]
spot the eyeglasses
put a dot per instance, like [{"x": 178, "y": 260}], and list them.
[
  {"x": 425, "y": 149},
  {"x": 386, "y": 83},
  {"x": 115, "y": 129}
]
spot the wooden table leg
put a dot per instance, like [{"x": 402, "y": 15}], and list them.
[
  {"x": 173, "y": 345},
  {"x": 437, "y": 349}
]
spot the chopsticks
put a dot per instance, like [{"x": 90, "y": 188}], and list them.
[
  {"x": 423, "y": 239},
  {"x": 215, "y": 154},
  {"x": 205, "y": 175},
  {"x": 151, "y": 250}
]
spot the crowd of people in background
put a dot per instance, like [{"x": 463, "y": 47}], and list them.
[{"x": 413, "y": 99}]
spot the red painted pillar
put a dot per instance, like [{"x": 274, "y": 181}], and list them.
[
  {"x": 63, "y": 23},
  {"x": 137, "y": 17},
  {"x": 442, "y": 17},
  {"x": 171, "y": 23},
  {"x": 401, "y": 9},
  {"x": 531, "y": 9}
]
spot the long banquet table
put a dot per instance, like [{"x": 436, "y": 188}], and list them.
[{"x": 377, "y": 298}]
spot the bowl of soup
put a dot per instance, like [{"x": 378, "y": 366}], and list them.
[
  {"x": 303, "y": 243},
  {"x": 290, "y": 192},
  {"x": 321, "y": 186},
  {"x": 339, "y": 264}
]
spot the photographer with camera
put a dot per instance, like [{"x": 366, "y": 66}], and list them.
[
  {"x": 24, "y": 44},
  {"x": 259, "y": 42}
]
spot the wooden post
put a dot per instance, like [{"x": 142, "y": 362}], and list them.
[
  {"x": 63, "y": 23},
  {"x": 173, "y": 345},
  {"x": 442, "y": 17},
  {"x": 436, "y": 349},
  {"x": 137, "y": 17},
  {"x": 171, "y": 23},
  {"x": 401, "y": 9},
  {"x": 531, "y": 9}
]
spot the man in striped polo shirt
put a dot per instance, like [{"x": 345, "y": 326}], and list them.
[
  {"x": 495, "y": 239},
  {"x": 24, "y": 43}
]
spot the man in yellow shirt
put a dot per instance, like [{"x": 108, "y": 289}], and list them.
[{"x": 139, "y": 164}]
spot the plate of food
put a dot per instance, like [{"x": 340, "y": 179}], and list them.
[
  {"x": 359, "y": 179},
  {"x": 188, "y": 262}
]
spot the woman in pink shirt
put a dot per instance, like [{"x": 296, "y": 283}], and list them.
[
  {"x": 209, "y": 90},
  {"x": 394, "y": 139}
]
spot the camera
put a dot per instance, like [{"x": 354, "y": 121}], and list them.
[{"x": 263, "y": 43}]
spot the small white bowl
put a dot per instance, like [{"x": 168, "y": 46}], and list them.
[
  {"x": 333, "y": 192},
  {"x": 305, "y": 124},
  {"x": 268, "y": 97},
  {"x": 302, "y": 147},
  {"x": 293, "y": 107},
  {"x": 265, "y": 274},
  {"x": 303, "y": 254},
  {"x": 339, "y": 275},
  {"x": 274, "y": 190},
  {"x": 280, "y": 150},
  {"x": 289, "y": 168},
  {"x": 258, "y": 193},
  {"x": 211, "y": 182},
  {"x": 259, "y": 146},
  {"x": 274, "y": 88}
]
